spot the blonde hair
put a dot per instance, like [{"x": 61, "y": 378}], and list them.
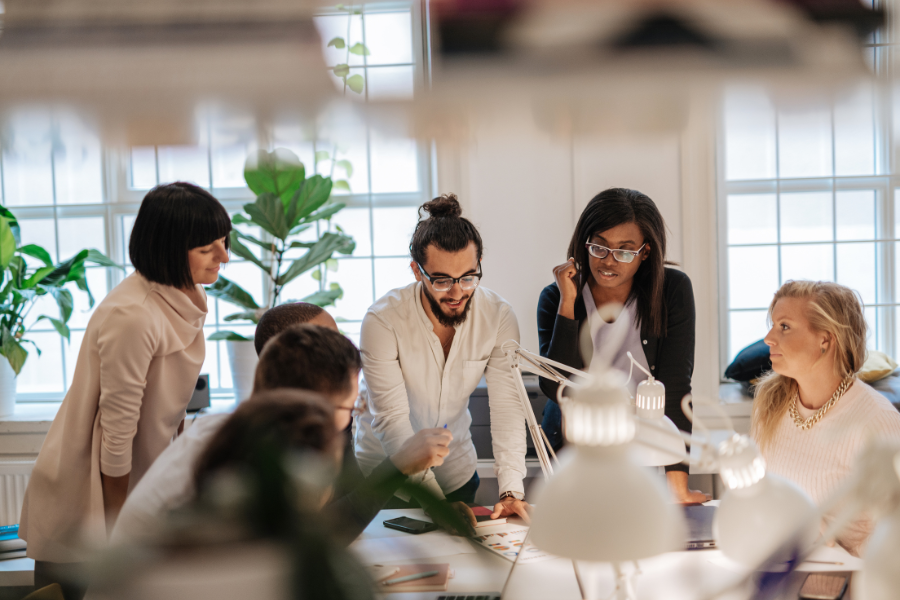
[{"x": 833, "y": 309}]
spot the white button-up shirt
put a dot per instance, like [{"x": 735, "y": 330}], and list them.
[{"x": 411, "y": 387}]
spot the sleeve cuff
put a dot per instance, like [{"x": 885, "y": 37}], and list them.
[
  {"x": 510, "y": 482},
  {"x": 115, "y": 465},
  {"x": 678, "y": 467}
]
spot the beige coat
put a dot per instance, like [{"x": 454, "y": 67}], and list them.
[{"x": 136, "y": 370}]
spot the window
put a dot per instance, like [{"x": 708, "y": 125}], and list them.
[
  {"x": 808, "y": 190},
  {"x": 69, "y": 192}
]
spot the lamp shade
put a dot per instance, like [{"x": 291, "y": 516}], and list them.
[
  {"x": 654, "y": 448},
  {"x": 760, "y": 511},
  {"x": 600, "y": 505}
]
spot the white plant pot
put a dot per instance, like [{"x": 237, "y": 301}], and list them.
[
  {"x": 7, "y": 388},
  {"x": 242, "y": 358}
]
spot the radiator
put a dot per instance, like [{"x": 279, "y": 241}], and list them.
[{"x": 14, "y": 477}]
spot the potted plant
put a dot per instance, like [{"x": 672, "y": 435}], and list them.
[
  {"x": 287, "y": 204},
  {"x": 22, "y": 284}
]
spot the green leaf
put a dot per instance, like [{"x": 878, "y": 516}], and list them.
[
  {"x": 98, "y": 258},
  {"x": 65, "y": 302},
  {"x": 247, "y": 315},
  {"x": 341, "y": 70},
  {"x": 13, "y": 223},
  {"x": 279, "y": 172},
  {"x": 338, "y": 43},
  {"x": 268, "y": 213},
  {"x": 70, "y": 270},
  {"x": 252, "y": 240},
  {"x": 315, "y": 192},
  {"x": 332, "y": 265},
  {"x": 317, "y": 275},
  {"x": 60, "y": 327},
  {"x": 322, "y": 155},
  {"x": 319, "y": 253},
  {"x": 244, "y": 252},
  {"x": 299, "y": 229},
  {"x": 38, "y": 253},
  {"x": 326, "y": 213},
  {"x": 347, "y": 166},
  {"x": 341, "y": 184},
  {"x": 360, "y": 49},
  {"x": 12, "y": 350},
  {"x": 241, "y": 220},
  {"x": 302, "y": 244},
  {"x": 7, "y": 243},
  {"x": 356, "y": 83},
  {"x": 231, "y": 292},
  {"x": 229, "y": 336},
  {"x": 37, "y": 277},
  {"x": 324, "y": 297}
]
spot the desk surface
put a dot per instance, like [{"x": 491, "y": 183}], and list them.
[{"x": 675, "y": 576}]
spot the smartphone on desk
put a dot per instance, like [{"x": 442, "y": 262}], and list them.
[
  {"x": 825, "y": 586},
  {"x": 408, "y": 525}
]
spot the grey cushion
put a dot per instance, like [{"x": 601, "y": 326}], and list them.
[{"x": 890, "y": 387}]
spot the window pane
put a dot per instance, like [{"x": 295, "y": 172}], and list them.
[
  {"x": 390, "y": 83},
  {"x": 301, "y": 287},
  {"x": 806, "y": 217},
  {"x": 355, "y": 223},
  {"x": 27, "y": 168},
  {"x": 355, "y": 277},
  {"x": 389, "y": 38},
  {"x": 752, "y": 219},
  {"x": 749, "y": 135},
  {"x": 854, "y": 133},
  {"x": 127, "y": 224},
  {"x": 351, "y": 330},
  {"x": 295, "y": 139},
  {"x": 391, "y": 273},
  {"x": 856, "y": 269},
  {"x": 745, "y": 328},
  {"x": 79, "y": 233},
  {"x": 41, "y": 232},
  {"x": 753, "y": 276},
  {"x": 77, "y": 163},
  {"x": 44, "y": 306},
  {"x": 804, "y": 142},
  {"x": 211, "y": 360},
  {"x": 248, "y": 276},
  {"x": 143, "y": 167},
  {"x": 395, "y": 165},
  {"x": 42, "y": 373},
  {"x": 393, "y": 229},
  {"x": 71, "y": 349},
  {"x": 332, "y": 26},
  {"x": 184, "y": 163},
  {"x": 873, "y": 314},
  {"x": 814, "y": 262},
  {"x": 233, "y": 139},
  {"x": 855, "y": 215},
  {"x": 352, "y": 151}
]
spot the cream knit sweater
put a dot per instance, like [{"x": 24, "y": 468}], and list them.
[{"x": 819, "y": 458}]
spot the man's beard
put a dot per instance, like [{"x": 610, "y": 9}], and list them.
[{"x": 442, "y": 317}]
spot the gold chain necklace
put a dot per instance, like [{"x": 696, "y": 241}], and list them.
[{"x": 808, "y": 423}]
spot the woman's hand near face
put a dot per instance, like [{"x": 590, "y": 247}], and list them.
[{"x": 565, "y": 279}]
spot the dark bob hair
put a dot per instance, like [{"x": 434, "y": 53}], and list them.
[
  {"x": 308, "y": 357},
  {"x": 173, "y": 219},
  {"x": 445, "y": 227},
  {"x": 617, "y": 206}
]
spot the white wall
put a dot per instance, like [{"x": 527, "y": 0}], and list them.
[{"x": 525, "y": 189}]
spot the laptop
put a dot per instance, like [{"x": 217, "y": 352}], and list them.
[{"x": 700, "y": 531}]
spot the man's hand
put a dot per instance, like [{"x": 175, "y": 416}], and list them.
[
  {"x": 465, "y": 513},
  {"x": 422, "y": 451},
  {"x": 678, "y": 486},
  {"x": 509, "y": 506}
]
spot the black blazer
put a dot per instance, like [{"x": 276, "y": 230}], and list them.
[{"x": 671, "y": 357}]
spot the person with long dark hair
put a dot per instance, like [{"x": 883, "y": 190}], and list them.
[
  {"x": 136, "y": 370},
  {"x": 618, "y": 255}
]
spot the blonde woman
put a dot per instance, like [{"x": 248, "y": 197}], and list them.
[{"x": 811, "y": 415}]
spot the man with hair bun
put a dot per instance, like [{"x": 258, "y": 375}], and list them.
[{"x": 424, "y": 349}]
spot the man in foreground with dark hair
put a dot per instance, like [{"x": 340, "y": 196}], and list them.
[
  {"x": 305, "y": 357},
  {"x": 426, "y": 346}
]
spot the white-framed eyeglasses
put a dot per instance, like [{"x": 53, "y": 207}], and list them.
[{"x": 622, "y": 256}]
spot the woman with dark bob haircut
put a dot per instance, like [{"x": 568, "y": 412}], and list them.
[
  {"x": 618, "y": 254},
  {"x": 136, "y": 371}
]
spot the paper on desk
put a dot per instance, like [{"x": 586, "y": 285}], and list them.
[
  {"x": 508, "y": 540},
  {"x": 823, "y": 559},
  {"x": 425, "y": 545}
]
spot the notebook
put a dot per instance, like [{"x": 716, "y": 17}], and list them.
[
  {"x": 483, "y": 516},
  {"x": 700, "y": 532},
  {"x": 435, "y": 583}
]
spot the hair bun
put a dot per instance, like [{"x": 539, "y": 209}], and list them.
[{"x": 445, "y": 205}]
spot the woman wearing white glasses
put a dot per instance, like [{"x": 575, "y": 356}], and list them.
[{"x": 618, "y": 254}]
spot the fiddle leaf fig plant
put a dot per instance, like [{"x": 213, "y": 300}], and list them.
[
  {"x": 287, "y": 205},
  {"x": 23, "y": 283}
]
